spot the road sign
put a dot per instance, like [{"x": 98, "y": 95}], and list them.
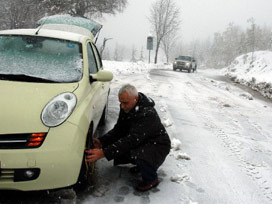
[{"x": 149, "y": 44}]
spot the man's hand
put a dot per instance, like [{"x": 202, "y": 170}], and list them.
[
  {"x": 93, "y": 155},
  {"x": 97, "y": 143}
]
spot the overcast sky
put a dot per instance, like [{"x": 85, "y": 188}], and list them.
[{"x": 199, "y": 19}]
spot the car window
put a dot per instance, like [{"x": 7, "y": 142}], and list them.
[
  {"x": 40, "y": 57},
  {"x": 100, "y": 65},
  {"x": 92, "y": 61},
  {"x": 184, "y": 58}
]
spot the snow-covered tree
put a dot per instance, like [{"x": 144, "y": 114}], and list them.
[
  {"x": 231, "y": 38},
  {"x": 106, "y": 54},
  {"x": 251, "y": 36},
  {"x": 25, "y": 13},
  {"x": 227, "y": 45},
  {"x": 216, "y": 50},
  {"x": 19, "y": 13},
  {"x": 141, "y": 57},
  {"x": 263, "y": 38},
  {"x": 133, "y": 54},
  {"x": 169, "y": 43},
  {"x": 85, "y": 8},
  {"x": 103, "y": 46},
  {"x": 118, "y": 54}
]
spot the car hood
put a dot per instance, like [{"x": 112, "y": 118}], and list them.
[{"x": 21, "y": 104}]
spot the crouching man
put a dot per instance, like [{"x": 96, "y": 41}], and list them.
[{"x": 138, "y": 137}]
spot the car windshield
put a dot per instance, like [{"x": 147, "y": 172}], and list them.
[
  {"x": 50, "y": 59},
  {"x": 184, "y": 58}
]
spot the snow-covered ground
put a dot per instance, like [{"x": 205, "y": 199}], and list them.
[
  {"x": 221, "y": 138},
  {"x": 253, "y": 70}
]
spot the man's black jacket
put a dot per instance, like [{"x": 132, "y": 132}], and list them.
[{"x": 138, "y": 133}]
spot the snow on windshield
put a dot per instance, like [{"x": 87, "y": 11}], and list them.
[{"x": 46, "y": 58}]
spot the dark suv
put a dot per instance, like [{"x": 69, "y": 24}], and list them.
[{"x": 185, "y": 63}]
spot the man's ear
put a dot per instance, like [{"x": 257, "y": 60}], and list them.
[{"x": 136, "y": 98}]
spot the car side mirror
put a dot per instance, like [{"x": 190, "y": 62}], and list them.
[{"x": 101, "y": 75}]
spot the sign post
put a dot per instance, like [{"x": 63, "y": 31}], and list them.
[{"x": 149, "y": 45}]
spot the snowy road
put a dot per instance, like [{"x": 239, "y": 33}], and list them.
[
  {"x": 222, "y": 145},
  {"x": 225, "y": 155}
]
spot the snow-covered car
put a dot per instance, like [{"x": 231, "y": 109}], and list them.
[
  {"x": 53, "y": 93},
  {"x": 185, "y": 63}
]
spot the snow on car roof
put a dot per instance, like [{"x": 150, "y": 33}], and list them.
[
  {"x": 46, "y": 33},
  {"x": 88, "y": 24}
]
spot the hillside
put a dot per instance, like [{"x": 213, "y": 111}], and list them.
[{"x": 256, "y": 74}]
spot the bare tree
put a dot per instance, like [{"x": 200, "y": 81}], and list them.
[
  {"x": 103, "y": 46},
  {"x": 164, "y": 20},
  {"x": 118, "y": 54},
  {"x": 264, "y": 38},
  {"x": 133, "y": 54},
  {"x": 141, "y": 58},
  {"x": 231, "y": 37},
  {"x": 225, "y": 46},
  {"x": 107, "y": 54},
  {"x": 169, "y": 43},
  {"x": 252, "y": 36}
]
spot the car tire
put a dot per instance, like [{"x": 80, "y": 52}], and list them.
[
  {"x": 86, "y": 175},
  {"x": 103, "y": 118}
]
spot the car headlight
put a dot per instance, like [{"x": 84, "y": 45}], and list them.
[
  {"x": 175, "y": 62},
  {"x": 58, "y": 109},
  {"x": 187, "y": 64}
]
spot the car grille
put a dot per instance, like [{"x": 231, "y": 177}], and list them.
[
  {"x": 6, "y": 175},
  {"x": 181, "y": 63},
  {"x": 21, "y": 141},
  {"x": 18, "y": 175}
]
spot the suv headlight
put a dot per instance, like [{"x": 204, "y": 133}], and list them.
[
  {"x": 187, "y": 64},
  {"x": 58, "y": 109}
]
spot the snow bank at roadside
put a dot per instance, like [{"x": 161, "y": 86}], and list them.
[
  {"x": 256, "y": 74},
  {"x": 118, "y": 68},
  {"x": 124, "y": 68}
]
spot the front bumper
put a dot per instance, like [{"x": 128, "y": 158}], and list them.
[
  {"x": 58, "y": 161},
  {"x": 181, "y": 67}
]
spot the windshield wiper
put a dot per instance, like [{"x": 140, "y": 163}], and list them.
[{"x": 25, "y": 78}]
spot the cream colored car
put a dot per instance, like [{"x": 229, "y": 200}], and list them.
[{"x": 53, "y": 93}]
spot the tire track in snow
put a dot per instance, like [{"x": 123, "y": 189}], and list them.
[
  {"x": 236, "y": 148},
  {"x": 251, "y": 169}
]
